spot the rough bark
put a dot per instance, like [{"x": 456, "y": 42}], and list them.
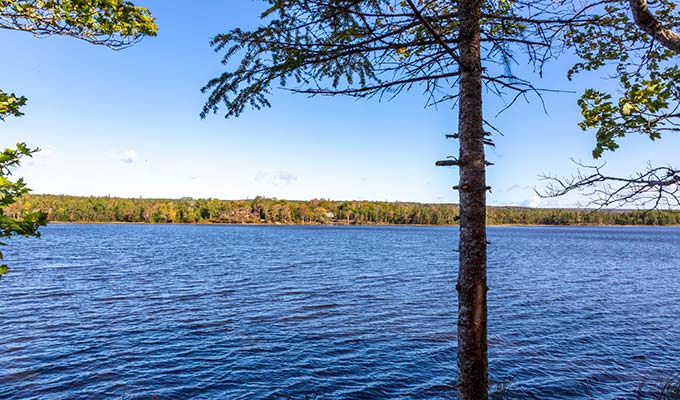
[
  {"x": 471, "y": 286},
  {"x": 649, "y": 23}
]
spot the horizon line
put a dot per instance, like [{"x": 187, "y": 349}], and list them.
[{"x": 109, "y": 196}]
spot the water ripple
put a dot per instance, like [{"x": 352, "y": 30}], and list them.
[{"x": 204, "y": 312}]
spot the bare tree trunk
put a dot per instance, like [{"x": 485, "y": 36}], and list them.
[{"x": 471, "y": 286}]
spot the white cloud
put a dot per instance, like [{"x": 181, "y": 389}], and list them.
[
  {"x": 128, "y": 156},
  {"x": 278, "y": 178},
  {"x": 533, "y": 202}
]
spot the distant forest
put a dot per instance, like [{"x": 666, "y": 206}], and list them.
[{"x": 274, "y": 211}]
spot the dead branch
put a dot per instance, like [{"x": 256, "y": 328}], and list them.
[{"x": 656, "y": 187}]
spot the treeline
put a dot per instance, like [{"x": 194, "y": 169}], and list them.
[{"x": 274, "y": 211}]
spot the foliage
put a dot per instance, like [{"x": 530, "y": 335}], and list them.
[
  {"x": 112, "y": 23},
  {"x": 27, "y": 221},
  {"x": 275, "y": 211},
  {"x": 10, "y": 105},
  {"x": 379, "y": 48},
  {"x": 376, "y": 48},
  {"x": 648, "y": 77}
]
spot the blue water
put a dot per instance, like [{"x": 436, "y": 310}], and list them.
[{"x": 278, "y": 312}]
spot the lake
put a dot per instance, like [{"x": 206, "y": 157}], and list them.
[{"x": 278, "y": 312}]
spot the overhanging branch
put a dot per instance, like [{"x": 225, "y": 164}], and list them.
[
  {"x": 654, "y": 188},
  {"x": 649, "y": 23}
]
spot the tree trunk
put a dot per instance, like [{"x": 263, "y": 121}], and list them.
[
  {"x": 471, "y": 286},
  {"x": 648, "y": 22}
]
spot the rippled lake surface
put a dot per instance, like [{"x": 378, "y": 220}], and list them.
[{"x": 278, "y": 312}]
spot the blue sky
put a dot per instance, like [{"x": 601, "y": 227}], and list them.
[{"x": 126, "y": 123}]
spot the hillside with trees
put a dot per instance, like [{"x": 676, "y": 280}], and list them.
[{"x": 262, "y": 210}]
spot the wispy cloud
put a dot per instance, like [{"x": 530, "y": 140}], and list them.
[
  {"x": 515, "y": 188},
  {"x": 277, "y": 178},
  {"x": 128, "y": 156}
]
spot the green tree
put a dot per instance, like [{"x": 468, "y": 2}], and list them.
[
  {"x": 643, "y": 59},
  {"x": 637, "y": 46},
  {"x": 382, "y": 47},
  {"x": 113, "y": 23},
  {"x": 451, "y": 49},
  {"x": 25, "y": 223},
  {"x": 103, "y": 209}
]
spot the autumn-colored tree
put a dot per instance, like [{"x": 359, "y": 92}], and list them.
[{"x": 103, "y": 209}]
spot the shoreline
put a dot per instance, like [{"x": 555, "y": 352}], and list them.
[
  {"x": 354, "y": 225},
  {"x": 264, "y": 211}
]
